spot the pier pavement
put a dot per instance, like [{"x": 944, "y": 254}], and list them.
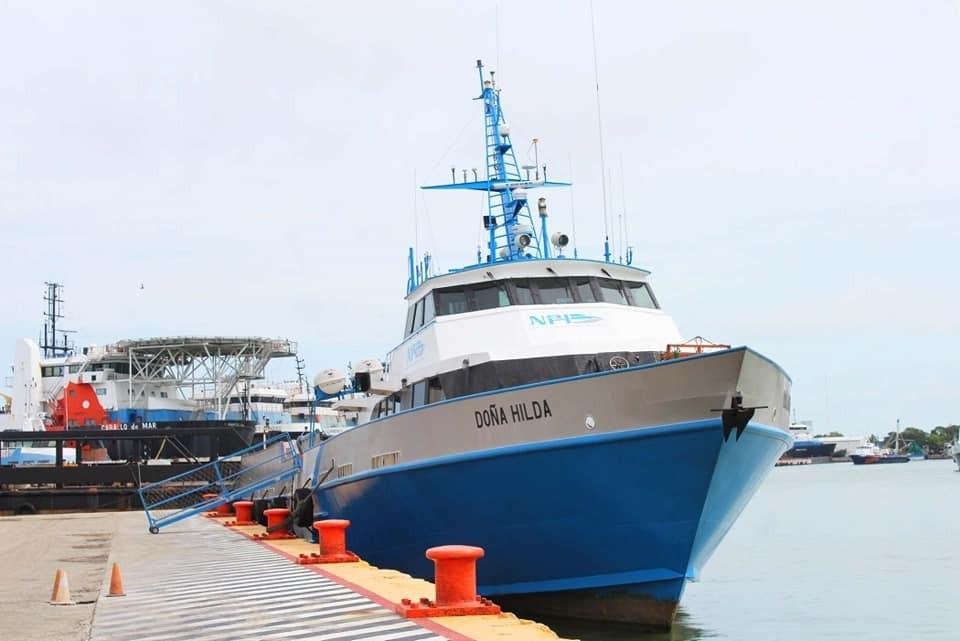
[{"x": 200, "y": 580}]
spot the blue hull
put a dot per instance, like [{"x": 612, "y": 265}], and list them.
[{"x": 617, "y": 522}]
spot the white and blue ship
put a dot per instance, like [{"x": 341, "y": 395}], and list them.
[{"x": 545, "y": 408}]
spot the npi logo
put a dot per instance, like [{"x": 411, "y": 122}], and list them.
[
  {"x": 415, "y": 351},
  {"x": 551, "y": 320}
]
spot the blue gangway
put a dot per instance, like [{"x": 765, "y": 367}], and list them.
[{"x": 264, "y": 465}]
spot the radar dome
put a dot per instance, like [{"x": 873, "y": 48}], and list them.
[{"x": 330, "y": 381}]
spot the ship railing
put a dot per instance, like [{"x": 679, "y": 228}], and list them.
[{"x": 263, "y": 466}]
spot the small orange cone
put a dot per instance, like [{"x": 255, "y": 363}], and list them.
[
  {"x": 61, "y": 590},
  {"x": 116, "y": 586}
]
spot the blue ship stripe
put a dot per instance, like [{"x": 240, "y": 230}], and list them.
[{"x": 651, "y": 519}]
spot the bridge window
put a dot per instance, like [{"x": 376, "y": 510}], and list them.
[
  {"x": 450, "y": 301},
  {"x": 490, "y": 296},
  {"x": 553, "y": 290},
  {"x": 429, "y": 313},
  {"x": 640, "y": 295},
  {"x": 611, "y": 291},
  {"x": 583, "y": 289},
  {"x": 523, "y": 295},
  {"x": 409, "y": 326},
  {"x": 418, "y": 316}
]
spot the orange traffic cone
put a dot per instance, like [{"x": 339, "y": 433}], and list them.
[
  {"x": 116, "y": 585},
  {"x": 61, "y": 590}
]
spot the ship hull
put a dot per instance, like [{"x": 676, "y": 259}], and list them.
[
  {"x": 859, "y": 459},
  {"x": 818, "y": 450},
  {"x": 193, "y": 441},
  {"x": 605, "y": 520}
]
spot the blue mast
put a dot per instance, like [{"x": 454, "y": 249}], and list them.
[{"x": 511, "y": 232}]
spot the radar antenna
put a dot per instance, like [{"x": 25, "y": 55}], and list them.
[{"x": 50, "y": 342}]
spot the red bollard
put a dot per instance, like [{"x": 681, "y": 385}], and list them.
[
  {"x": 222, "y": 509},
  {"x": 455, "y": 572},
  {"x": 276, "y": 516},
  {"x": 244, "y": 510},
  {"x": 333, "y": 543}
]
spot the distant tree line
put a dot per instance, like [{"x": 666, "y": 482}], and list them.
[{"x": 936, "y": 441}]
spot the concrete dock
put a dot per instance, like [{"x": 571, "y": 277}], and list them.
[{"x": 201, "y": 580}]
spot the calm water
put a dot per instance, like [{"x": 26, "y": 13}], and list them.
[{"x": 831, "y": 551}]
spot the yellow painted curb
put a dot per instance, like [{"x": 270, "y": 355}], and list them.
[{"x": 392, "y": 586}]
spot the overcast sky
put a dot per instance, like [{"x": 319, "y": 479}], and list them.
[{"x": 789, "y": 171}]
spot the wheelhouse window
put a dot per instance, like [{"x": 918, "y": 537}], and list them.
[
  {"x": 409, "y": 326},
  {"x": 583, "y": 289},
  {"x": 553, "y": 290},
  {"x": 611, "y": 291},
  {"x": 489, "y": 296},
  {"x": 450, "y": 301},
  {"x": 529, "y": 291},
  {"x": 420, "y": 313},
  {"x": 429, "y": 313},
  {"x": 418, "y": 316},
  {"x": 640, "y": 295},
  {"x": 523, "y": 294}
]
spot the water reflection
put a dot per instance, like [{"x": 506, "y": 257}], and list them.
[{"x": 683, "y": 630}]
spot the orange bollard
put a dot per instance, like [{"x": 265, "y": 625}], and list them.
[
  {"x": 244, "y": 511},
  {"x": 455, "y": 576},
  {"x": 455, "y": 570},
  {"x": 333, "y": 543},
  {"x": 275, "y": 517},
  {"x": 116, "y": 585},
  {"x": 222, "y": 509}
]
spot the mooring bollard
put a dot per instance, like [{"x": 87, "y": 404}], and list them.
[
  {"x": 275, "y": 530},
  {"x": 455, "y": 577},
  {"x": 222, "y": 509},
  {"x": 455, "y": 573},
  {"x": 333, "y": 543},
  {"x": 244, "y": 511}
]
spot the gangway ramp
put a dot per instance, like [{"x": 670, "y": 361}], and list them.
[{"x": 201, "y": 489}]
